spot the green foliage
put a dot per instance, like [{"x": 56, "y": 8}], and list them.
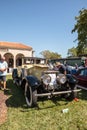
[
  {"x": 81, "y": 29},
  {"x": 48, "y": 115},
  {"x": 50, "y": 55},
  {"x": 72, "y": 52}
]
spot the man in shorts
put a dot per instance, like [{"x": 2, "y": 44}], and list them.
[{"x": 3, "y": 71}]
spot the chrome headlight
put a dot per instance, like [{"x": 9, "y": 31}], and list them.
[
  {"x": 46, "y": 79},
  {"x": 61, "y": 78}
]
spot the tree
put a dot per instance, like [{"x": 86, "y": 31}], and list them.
[
  {"x": 81, "y": 28},
  {"x": 50, "y": 55},
  {"x": 72, "y": 52}
]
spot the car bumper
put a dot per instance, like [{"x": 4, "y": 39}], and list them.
[{"x": 56, "y": 93}]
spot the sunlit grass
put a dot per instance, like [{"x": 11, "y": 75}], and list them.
[{"x": 47, "y": 116}]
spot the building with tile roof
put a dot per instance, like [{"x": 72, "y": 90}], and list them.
[{"x": 14, "y": 52}]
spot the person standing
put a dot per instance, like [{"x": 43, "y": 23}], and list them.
[{"x": 3, "y": 71}]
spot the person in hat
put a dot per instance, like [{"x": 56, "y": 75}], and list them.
[
  {"x": 3, "y": 71},
  {"x": 61, "y": 68}
]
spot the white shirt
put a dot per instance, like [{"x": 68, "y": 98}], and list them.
[{"x": 3, "y": 65}]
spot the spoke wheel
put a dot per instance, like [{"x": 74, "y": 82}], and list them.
[{"x": 30, "y": 97}]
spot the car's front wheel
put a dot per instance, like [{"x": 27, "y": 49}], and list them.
[{"x": 30, "y": 97}]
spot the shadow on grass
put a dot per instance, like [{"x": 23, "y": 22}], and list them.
[{"x": 16, "y": 97}]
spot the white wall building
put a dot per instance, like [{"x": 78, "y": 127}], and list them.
[{"x": 14, "y": 52}]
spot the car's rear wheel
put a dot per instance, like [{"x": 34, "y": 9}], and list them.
[{"x": 30, "y": 97}]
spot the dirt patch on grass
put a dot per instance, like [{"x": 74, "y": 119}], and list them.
[{"x": 3, "y": 107}]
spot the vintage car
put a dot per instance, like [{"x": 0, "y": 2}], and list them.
[
  {"x": 40, "y": 81},
  {"x": 81, "y": 76}
]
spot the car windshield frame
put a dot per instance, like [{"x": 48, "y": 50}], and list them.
[{"x": 34, "y": 60}]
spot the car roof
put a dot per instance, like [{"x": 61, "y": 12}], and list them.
[{"x": 38, "y": 58}]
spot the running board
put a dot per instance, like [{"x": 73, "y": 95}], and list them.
[{"x": 56, "y": 93}]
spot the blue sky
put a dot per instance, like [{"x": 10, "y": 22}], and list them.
[{"x": 41, "y": 24}]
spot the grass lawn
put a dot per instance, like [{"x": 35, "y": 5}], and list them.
[{"x": 47, "y": 116}]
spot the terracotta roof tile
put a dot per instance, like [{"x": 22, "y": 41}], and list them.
[{"x": 14, "y": 45}]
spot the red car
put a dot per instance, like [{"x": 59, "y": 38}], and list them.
[{"x": 81, "y": 75}]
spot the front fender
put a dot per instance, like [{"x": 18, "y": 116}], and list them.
[{"x": 33, "y": 81}]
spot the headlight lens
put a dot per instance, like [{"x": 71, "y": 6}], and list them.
[
  {"x": 46, "y": 79},
  {"x": 61, "y": 78}
]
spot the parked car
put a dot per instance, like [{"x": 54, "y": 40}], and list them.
[
  {"x": 81, "y": 76},
  {"x": 40, "y": 81}
]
